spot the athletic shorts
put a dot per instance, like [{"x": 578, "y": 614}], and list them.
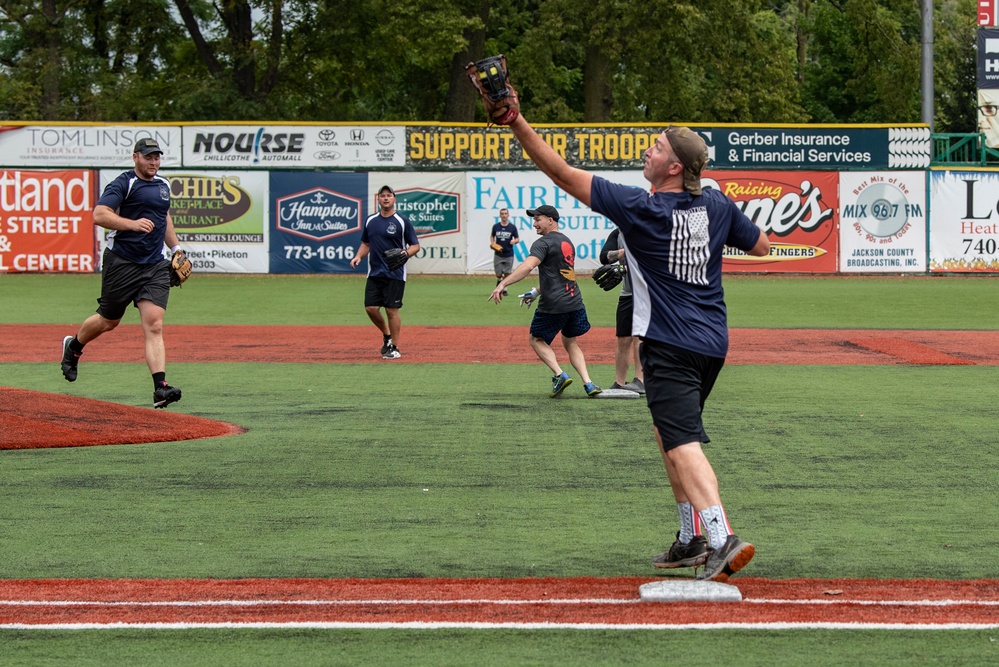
[
  {"x": 384, "y": 292},
  {"x": 502, "y": 266},
  {"x": 548, "y": 325},
  {"x": 625, "y": 309},
  {"x": 677, "y": 383},
  {"x": 124, "y": 282}
]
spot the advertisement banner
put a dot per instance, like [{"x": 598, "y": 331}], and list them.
[
  {"x": 434, "y": 203},
  {"x": 882, "y": 221},
  {"x": 987, "y": 14},
  {"x": 221, "y": 218},
  {"x": 294, "y": 146},
  {"x": 796, "y": 210},
  {"x": 83, "y": 146},
  {"x": 733, "y": 147},
  {"x": 988, "y": 57},
  {"x": 47, "y": 221},
  {"x": 964, "y": 232},
  {"x": 316, "y": 221},
  {"x": 520, "y": 191}
]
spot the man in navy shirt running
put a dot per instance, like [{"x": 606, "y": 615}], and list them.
[
  {"x": 136, "y": 208},
  {"x": 674, "y": 240}
]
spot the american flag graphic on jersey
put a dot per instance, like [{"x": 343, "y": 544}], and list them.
[{"x": 688, "y": 250}]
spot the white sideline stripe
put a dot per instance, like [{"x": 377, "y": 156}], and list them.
[
  {"x": 422, "y": 625},
  {"x": 347, "y": 603}
]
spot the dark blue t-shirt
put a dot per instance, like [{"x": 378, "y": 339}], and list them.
[
  {"x": 674, "y": 248},
  {"x": 381, "y": 233},
  {"x": 504, "y": 235},
  {"x": 132, "y": 197}
]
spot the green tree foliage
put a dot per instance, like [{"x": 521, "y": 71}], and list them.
[{"x": 403, "y": 60}]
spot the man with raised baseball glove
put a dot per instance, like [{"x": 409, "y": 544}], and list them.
[
  {"x": 502, "y": 240},
  {"x": 675, "y": 238},
  {"x": 388, "y": 240},
  {"x": 136, "y": 208}
]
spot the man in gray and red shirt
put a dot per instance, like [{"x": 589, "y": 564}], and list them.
[{"x": 560, "y": 309}]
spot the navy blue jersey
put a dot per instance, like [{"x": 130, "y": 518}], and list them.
[
  {"x": 381, "y": 233},
  {"x": 131, "y": 197},
  {"x": 674, "y": 248},
  {"x": 505, "y": 235}
]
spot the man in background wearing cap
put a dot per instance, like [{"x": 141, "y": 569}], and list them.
[
  {"x": 502, "y": 240},
  {"x": 674, "y": 242},
  {"x": 136, "y": 208},
  {"x": 560, "y": 309},
  {"x": 385, "y": 287}
]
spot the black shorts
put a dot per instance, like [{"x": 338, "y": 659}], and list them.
[
  {"x": 384, "y": 292},
  {"x": 677, "y": 383},
  {"x": 625, "y": 309},
  {"x": 124, "y": 282},
  {"x": 548, "y": 325}
]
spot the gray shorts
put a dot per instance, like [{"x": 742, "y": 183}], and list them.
[
  {"x": 503, "y": 266},
  {"x": 124, "y": 282}
]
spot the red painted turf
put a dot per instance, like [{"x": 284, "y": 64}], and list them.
[{"x": 573, "y": 601}]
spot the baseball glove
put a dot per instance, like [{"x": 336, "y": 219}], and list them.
[
  {"x": 395, "y": 258},
  {"x": 497, "y": 248},
  {"x": 180, "y": 268},
  {"x": 491, "y": 79},
  {"x": 609, "y": 276}
]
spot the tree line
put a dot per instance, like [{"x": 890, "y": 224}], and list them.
[{"x": 596, "y": 61}]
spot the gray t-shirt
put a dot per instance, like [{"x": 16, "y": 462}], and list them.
[{"x": 557, "y": 274}]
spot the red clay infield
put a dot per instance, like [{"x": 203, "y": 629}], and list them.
[
  {"x": 584, "y": 603},
  {"x": 330, "y": 344}
]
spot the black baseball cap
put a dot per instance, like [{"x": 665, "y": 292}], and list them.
[
  {"x": 147, "y": 146},
  {"x": 384, "y": 188},
  {"x": 550, "y": 211}
]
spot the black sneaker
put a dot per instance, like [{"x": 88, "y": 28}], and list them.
[
  {"x": 165, "y": 395},
  {"x": 69, "y": 360},
  {"x": 724, "y": 562},
  {"x": 692, "y": 554},
  {"x": 391, "y": 352}
]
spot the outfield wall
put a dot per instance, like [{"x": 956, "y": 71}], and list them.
[{"x": 243, "y": 203}]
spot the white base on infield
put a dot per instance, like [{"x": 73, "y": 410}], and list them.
[
  {"x": 618, "y": 393},
  {"x": 688, "y": 590}
]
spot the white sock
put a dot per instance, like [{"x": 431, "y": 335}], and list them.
[
  {"x": 715, "y": 525},
  {"x": 686, "y": 511}
]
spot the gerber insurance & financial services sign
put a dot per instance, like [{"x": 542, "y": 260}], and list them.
[{"x": 294, "y": 146}]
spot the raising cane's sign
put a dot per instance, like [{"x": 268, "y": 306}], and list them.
[{"x": 797, "y": 210}]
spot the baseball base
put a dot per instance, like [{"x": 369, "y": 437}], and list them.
[
  {"x": 618, "y": 393},
  {"x": 688, "y": 590}
]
